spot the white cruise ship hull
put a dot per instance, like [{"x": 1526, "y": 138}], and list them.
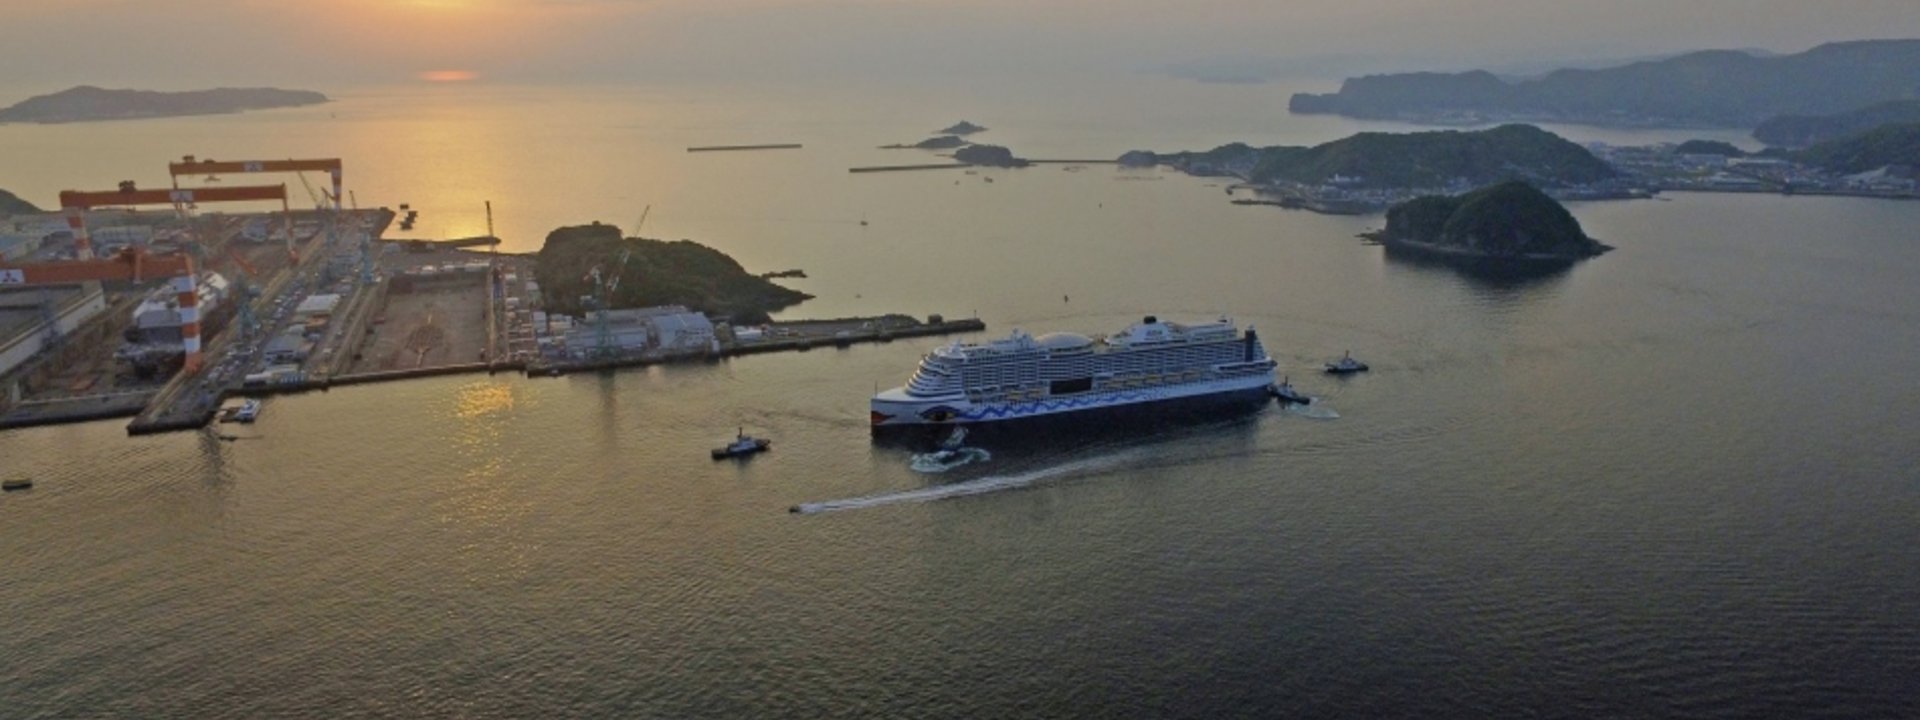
[{"x": 897, "y": 408}]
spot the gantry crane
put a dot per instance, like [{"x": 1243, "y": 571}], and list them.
[
  {"x": 136, "y": 264},
  {"x": 335, "y": 170}
]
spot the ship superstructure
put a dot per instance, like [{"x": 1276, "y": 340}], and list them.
[{"x": 1025, "y": 376}]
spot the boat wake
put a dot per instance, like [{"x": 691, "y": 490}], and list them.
[
  {"x": 1316, "y": 410},
  {"x": 932, "y": 462},
  {"x": 976, "y": 486}
]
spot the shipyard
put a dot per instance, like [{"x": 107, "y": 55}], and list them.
[{"x": 151, "y": 304}]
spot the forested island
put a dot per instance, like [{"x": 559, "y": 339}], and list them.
[
  {"x": 11, "y": 204},
  {"x": 1896, "y": 147},
  {"x": 1714, "y": 88},
  {"x": 1803, "y": 130},
  {"x": 1376, "y": 160},
  {"x": 1508, "y": 222},
  {"x": 88, "y": 103},
  {"x": 656, "y": 272}
]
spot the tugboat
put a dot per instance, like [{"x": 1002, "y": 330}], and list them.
[
  {"x": 1287, "y": 394},
  {"x": 1346, "y": 366},
  {"x": 742, "y": 446},
  {"x": 244, "y": 413}
]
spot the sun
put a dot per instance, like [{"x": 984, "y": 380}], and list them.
[{"x": 448, "y": 76}]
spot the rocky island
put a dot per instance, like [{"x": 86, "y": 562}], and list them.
[
  {"x": 656, "y": 273},
  {"x": 87, "y": 103},
  {"x": 1508, "y": 223},
  {"x": 989, "y": 156},
  {"x": 962, "y": 128},
  {"x": 943, "y": 142}
]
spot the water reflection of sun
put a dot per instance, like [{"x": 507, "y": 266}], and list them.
[{"x": 482, "y": 399}]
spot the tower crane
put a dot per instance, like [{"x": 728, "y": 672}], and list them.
[
  {"x": 603, "y": 288},
  {"x": 245, "y": 292}
]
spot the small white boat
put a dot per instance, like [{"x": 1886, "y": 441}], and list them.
[
  {"x": 1346, "y": 365},
  {"x": 243, "y": 413},
  {"x": 742, "y": 446}
]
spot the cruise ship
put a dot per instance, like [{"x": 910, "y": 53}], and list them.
[{"x": 1023, "y": 376}]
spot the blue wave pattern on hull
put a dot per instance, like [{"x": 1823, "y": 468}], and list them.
[{"x": 1051, "y": 406}]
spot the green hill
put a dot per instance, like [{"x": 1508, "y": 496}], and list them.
[
  {"x": 1511, "y": 220},
  {"x": 1870, "y": 150},
  {"x": 1805, "y": 130},
  {"x": 1403, "y": 160},
  {"x": 1715, "y": 88},
  {"x": 11, "y": 204},
  {"x": 656, "y": 273}
]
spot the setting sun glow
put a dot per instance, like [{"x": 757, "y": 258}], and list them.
[{"x": 448, "y": 75}]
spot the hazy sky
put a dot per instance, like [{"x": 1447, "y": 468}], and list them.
[{"x": 49, "y": 44}]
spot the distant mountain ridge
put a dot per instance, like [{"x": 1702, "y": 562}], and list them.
[
  {"x": 88, "y": 103},
  {"x": 1714, "y": 88}
]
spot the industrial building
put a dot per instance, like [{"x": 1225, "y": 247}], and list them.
[
  {"x": 669, "y": 327},
  {"x": 31, "y": 318}
]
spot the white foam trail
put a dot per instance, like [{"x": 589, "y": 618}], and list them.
[
  {"x": 927, "y": 464},
  {"x": 976, "y": 486},
  {"x": 1316, "y": 410}
]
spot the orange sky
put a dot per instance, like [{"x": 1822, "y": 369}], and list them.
[{"x": 190, "y": 43}]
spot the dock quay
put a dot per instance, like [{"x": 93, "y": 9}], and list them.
[
  {"x": 724, "y": 148},
  {"x": 790, "y": 336},
  {"x": 328, "y": 306}
]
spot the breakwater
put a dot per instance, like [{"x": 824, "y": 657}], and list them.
[
  {"x": 896, "y": 168},
  {"x": 725, "y": 148}
]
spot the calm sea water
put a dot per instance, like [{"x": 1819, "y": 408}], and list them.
[{"x": 1679, "y": 480}]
